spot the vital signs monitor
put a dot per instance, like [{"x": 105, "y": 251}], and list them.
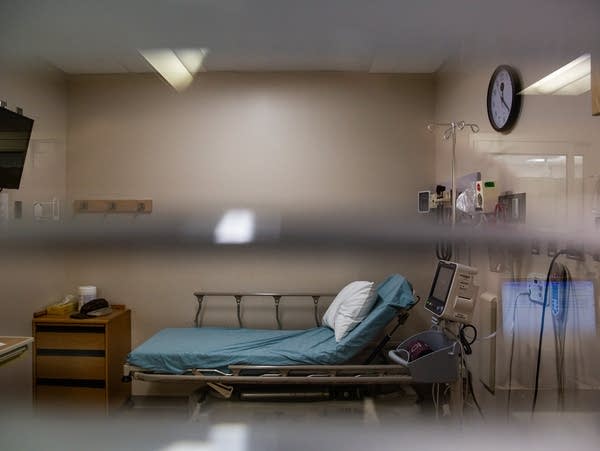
[{"x": 453, "y": 292}]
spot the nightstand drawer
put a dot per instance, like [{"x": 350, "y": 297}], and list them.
[
  {"x": 56, "y": 397},
  {"x": 69, "y": 367},
  {"x": 53, "y": 337}
]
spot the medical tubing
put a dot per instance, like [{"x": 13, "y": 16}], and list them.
[
  {"x": 453, "y": 193},
  {"x": 559, "y": 322},
  {"x": 512, "y": 350},
  {"x": 464, "y": 340},
  {"x": 539, "y": 352},
  {"x": 443, "y": 250},
  {"x": 467, "y": 350},
  {"x": 465, "y": 343},
  {"x": 470, "y": 383}
]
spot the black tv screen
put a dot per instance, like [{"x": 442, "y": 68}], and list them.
[{"x": 15, "y": 131}]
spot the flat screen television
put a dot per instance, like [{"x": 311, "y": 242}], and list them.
[{"x": 15, "y": 131}]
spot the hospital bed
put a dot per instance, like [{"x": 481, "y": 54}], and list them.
[{"x": 235, "y": 356}]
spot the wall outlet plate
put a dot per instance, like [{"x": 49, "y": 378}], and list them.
[{"x": 536, "y": 284}]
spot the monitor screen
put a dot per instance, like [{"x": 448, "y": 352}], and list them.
[
  {"x": 15, "y": 131},
  {"x": 442, "y": 283}
]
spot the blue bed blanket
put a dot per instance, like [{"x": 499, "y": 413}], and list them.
[{"x": 175, "y": 351}]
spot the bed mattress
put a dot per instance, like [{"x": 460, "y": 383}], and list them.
[{"x": 177, "y": 350}]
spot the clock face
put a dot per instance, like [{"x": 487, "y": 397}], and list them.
[{"x": 503, "y": 102}]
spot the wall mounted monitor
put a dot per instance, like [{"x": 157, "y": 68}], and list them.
[{"x": 15, "y": 131}]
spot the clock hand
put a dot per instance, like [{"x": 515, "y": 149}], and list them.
[{"x": 502, "y": 96}]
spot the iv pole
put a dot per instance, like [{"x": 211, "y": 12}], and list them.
[{"x": 450, "y": 132}]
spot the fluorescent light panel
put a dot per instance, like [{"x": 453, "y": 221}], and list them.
[
  {"x": 571, "y": 79},
  {"x": 169, "y": 67},
  {"x": 192, "y": 59}
]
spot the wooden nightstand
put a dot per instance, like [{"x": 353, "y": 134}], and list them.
[{"x": 78, "y": 363}]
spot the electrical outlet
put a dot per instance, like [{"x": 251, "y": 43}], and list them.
[{"x": 536, "y": 284}]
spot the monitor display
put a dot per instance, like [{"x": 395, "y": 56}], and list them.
[
  {"x": 442, "y": 283},
  {"x": 15, "y": 131}
]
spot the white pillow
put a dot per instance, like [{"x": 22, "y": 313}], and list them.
[{"x": 352, "y": 304}]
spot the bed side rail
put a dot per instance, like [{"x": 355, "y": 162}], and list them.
[{"x": 275, "y": 296}]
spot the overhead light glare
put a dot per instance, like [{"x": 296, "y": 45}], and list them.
[
  {"x": 571, "y": 79},
  {"x": 169, "y": 66},
  {"x": 189, "y": 446},
  {"x": 192, "y": 59},
  {"x": 235, "y": 227}
]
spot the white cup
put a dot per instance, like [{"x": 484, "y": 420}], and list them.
[{"x": 86, "y": 294}]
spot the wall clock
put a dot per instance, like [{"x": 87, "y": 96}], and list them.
[{"x": 503, "y": 100}]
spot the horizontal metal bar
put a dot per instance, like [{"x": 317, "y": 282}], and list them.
[
  {"x": 276, "y": 396},
  {"x": 319, "y": 367},
  {"x": 311, "y": 380},
  {"x": 263, "y": 294},
  {"x": 211, "y": 370}
]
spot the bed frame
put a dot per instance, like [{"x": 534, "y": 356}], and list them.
[
  {"x": 365, "y": 374},
  {"x": 344, "y": 376}
]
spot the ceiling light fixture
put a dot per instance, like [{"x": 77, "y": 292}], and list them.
[
  {"x": 192, "y": 59},
  {"x": 572, "y": 79},
  {"x": 169, "y": 66}
]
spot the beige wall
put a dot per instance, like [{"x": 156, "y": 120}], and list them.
[
  {"x": 301, "y": 143},
  {"x": 31, "y": 277},
  {"x": 311, "y": 150},
  {"x": 547, "y": 125}
]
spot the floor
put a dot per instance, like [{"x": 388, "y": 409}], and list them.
[
  {"x": 379, "y": 422},
  {"x": 381, "y": 409}
]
